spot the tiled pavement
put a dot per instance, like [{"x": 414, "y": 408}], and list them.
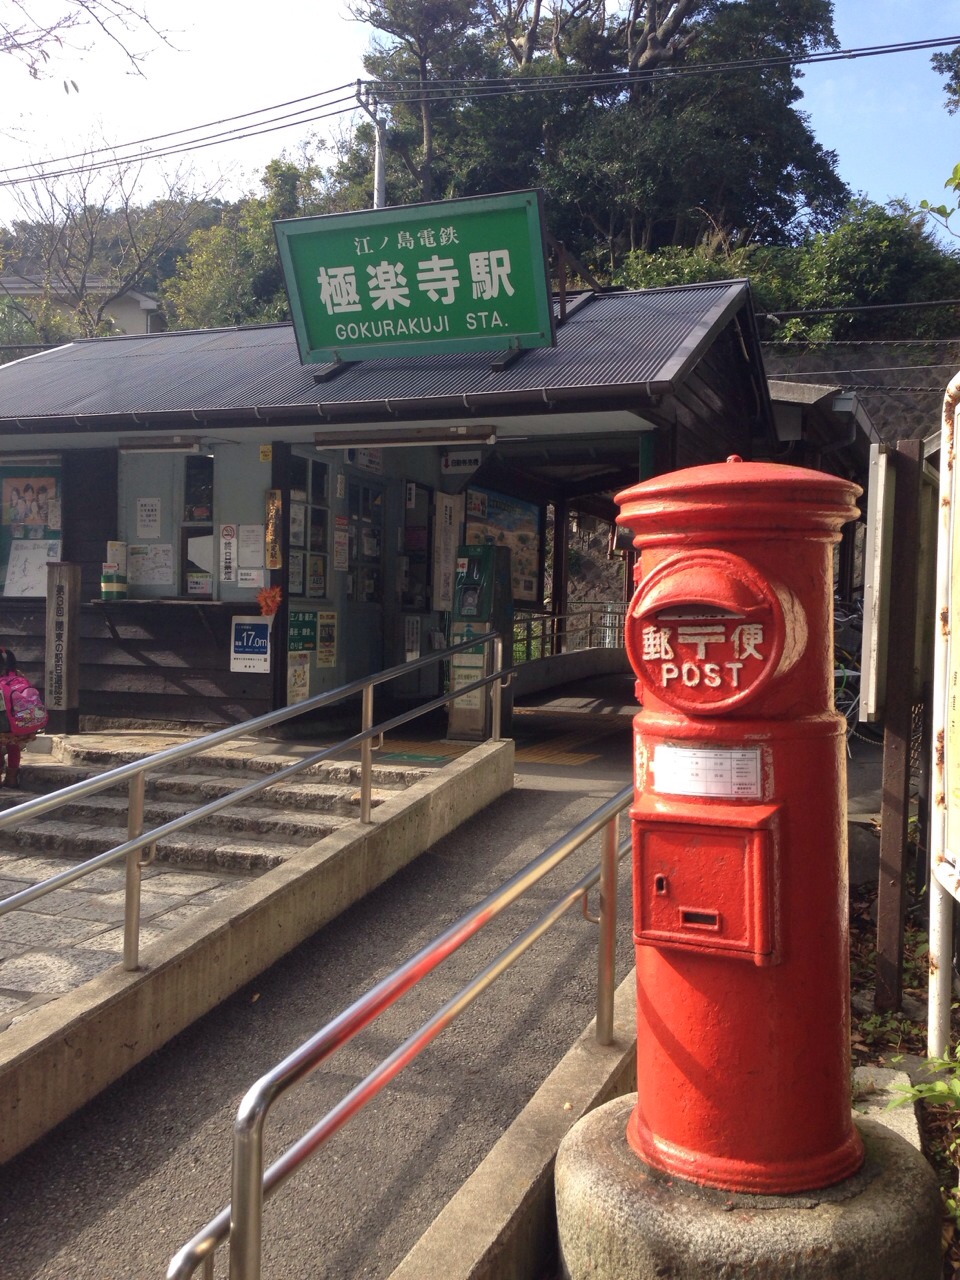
[{"x": 55, "y": 943}]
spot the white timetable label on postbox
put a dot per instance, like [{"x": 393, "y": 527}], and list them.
[{"x": 730, "y": 773}]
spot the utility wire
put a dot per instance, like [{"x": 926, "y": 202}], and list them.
[
  {"x": 440, "y": 90},
  {"x": 448, "y": 90},
  {"x": 42, "y": 175},
  {"x": 873, "y": 306},
  {"x": 174, "y": 133}
]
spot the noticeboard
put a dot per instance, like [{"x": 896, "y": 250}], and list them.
[{"x": 419, "y": 279}]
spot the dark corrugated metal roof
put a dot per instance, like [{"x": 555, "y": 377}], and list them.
[{"x": 620, "y": 342}]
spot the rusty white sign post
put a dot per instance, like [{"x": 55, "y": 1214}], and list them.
[{"x": 945, "y": 805}]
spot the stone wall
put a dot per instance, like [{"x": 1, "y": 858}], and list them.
[{"x": 900, "y": 384}]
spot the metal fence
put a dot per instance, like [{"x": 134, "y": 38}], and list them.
[
  {"x": 241, "y": 1221},
  {"x": 586, "y": 625},
  {"x": 138, "y": 850}
]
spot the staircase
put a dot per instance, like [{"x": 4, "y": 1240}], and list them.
[{"x": 250, "y": 837}]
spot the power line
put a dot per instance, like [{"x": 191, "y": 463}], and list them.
[
  {"x": 873, "y": 306},
  {"x": 164, "y": 153},
  {"x": 446, "y": 90},
  {"x": 174, "y": 133}
]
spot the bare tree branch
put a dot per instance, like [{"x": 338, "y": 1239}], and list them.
[{"x": 31, "y": 35}]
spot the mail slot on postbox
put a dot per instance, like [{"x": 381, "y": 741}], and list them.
[{"x": 738, "y": 820}]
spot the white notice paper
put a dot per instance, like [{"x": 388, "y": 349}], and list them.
[{"x": 698, "y": 771}]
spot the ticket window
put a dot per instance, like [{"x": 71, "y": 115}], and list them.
[
  {"x": 415, "y": 555},
  {"x": 196, "y": 531},
  {"x": 365, "y": 542}
]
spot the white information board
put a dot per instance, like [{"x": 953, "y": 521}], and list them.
[{"x": 27, "y": 566}]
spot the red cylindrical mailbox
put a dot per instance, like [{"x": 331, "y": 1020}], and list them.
[{"x": 739, "y": 829}]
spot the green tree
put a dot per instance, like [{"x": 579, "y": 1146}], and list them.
[
  {"x": 627, "y": 163},
  {"x": 430, "y": 40},
  {"x": 230, "y": 273},
  {"x": 874, "y": 257}
]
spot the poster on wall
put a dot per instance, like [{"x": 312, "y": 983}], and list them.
[
  {"x": 411, "y": 637},
  {"x": 150, "y": 565},
  {"x": 228, "y": 552},
  {"x": 326, "y": 639},
  {"x": 508, "y": 522},
  {"x": 446, "y": 537},
  {"x": 250, "y": 644},
  {"x": 301, "y": 631},
  {"x": 27, "y": 566},
  {"x": 316, "y": 576},
  {"x": 298, "y": 524},
  {"x": 148, "y": 517},
  {"x": 298, "y": 677},
  {"x": 341, "y": 544},
  {"x": 296, "y": 573},
  {"x": 27, "y": 499},
  {"x": 250, "y": 539}
]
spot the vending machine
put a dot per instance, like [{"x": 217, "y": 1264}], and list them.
[{"x": 482, "y": 602}]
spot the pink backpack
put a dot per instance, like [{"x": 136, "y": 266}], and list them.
[{"x": 23, "y": 708}]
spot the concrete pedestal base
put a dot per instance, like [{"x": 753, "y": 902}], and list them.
[{"x": 620, "y": 1220}]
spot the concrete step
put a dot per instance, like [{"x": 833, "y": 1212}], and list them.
[
  {"x": 250, "y": 836},
  {"x": 77, "y": 841},
  {"x": 301, "y": 826},
  {"x": 233, "y": 758}
]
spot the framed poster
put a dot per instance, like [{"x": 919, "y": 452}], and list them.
[
  {"x": 27, "y": 566},
  {"x": 510, "y": 522},
  {"x": 250, "y": 644}
]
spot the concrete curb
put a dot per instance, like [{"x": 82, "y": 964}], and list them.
[
  {"x": 501, "y": 1224},
  {"x": 66, "y": 1052}
]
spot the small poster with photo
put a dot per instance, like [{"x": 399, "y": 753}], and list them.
[
  {"x": 26, "y": 500},
  {"x": 316, "y": 577}
]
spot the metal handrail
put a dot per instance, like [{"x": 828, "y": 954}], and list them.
[
  {"x": 585, "y": 624},
  {"x": 134, "y": 771},
  {"x": 241, "y": 1220}
]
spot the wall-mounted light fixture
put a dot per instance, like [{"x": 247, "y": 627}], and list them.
[
  {"x": 30, "y": 459},
  {"x": 378, "y": 438},
  {"x": 159, "y": 444}
]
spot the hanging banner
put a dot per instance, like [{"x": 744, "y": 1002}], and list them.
[{"x": 274, "y": 554}]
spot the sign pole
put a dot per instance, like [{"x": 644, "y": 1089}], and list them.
[
  {"x": 946, "y": 739},
  {"x": 62, "y": 656}
]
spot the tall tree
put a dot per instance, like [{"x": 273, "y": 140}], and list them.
[
  {"x": 629, "y": 161},
  {"x": 427, "y": 36},
  {"x": 875, "y": 258},
  {"x": 230, "y": 272}
]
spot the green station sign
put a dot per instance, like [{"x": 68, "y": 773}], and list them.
[{"x": 419, "y": 279}]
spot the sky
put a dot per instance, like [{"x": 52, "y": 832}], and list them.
[{"x": 883, "y": 116}]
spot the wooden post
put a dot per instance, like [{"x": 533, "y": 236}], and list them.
[
  {"x": 898, "y": 716},
  {"x": 62, "y": 656}
]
